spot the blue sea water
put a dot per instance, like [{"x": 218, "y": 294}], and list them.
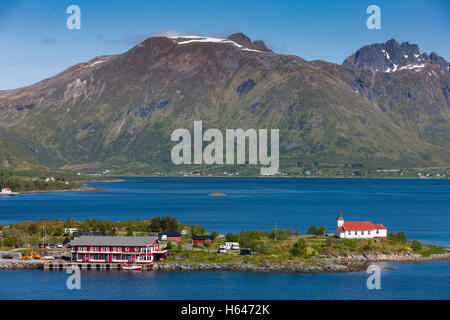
[
  {"x": 430, "y": 280},
  {"x": 421, "y": 208}
]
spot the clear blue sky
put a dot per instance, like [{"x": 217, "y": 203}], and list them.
[{"x": 35, "y": 43}]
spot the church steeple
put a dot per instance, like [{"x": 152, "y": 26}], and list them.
[{"x": 339, "y": 219}]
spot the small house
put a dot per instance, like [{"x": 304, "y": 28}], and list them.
[
  {"x": 202, "y": 239},
  {"x": 170, "y": 236},
  {"x": 6, "y": 190}
]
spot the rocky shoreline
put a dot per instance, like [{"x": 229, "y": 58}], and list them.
[
  {"x": 79, "y": 189},
  {"x": 328, "y": 264}
]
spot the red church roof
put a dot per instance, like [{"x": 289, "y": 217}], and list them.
[{"x": 361, "y": 225}]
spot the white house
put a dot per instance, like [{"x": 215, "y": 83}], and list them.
[
  {"x": 70, "y": 230},
  {"x": 359, "y": 229},
  {"x": 6, "y": 191}
]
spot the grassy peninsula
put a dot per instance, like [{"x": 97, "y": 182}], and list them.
[{"x": 274, "y": 247}]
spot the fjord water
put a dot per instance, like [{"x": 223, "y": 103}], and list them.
[
  {"x": 419, "y": 207},
  {"x": 430, "y": 280}
]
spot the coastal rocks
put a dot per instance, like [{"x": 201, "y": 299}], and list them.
[
  {"x": 385, "y": 257},
  {"x": 58, "y": 253},
  {"x": 17, "y": 264},
  {"x": 249, "y": 267}
]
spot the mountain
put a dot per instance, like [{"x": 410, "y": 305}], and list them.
[
  {"x": 392, "y": 56},
  {"x": 118, "y": 111}
]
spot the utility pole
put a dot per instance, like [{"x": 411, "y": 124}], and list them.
[{"x": 275, "y": 231}]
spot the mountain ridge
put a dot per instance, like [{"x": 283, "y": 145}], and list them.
[{"x": 119, "y": 110}]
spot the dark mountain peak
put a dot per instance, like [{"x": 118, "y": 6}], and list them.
[
  {"x": 241, "y": 39},
  {"x": 437, "y": 59},
  {"x": 392, "y": 56},
  {"x": 246, "y": 42}
]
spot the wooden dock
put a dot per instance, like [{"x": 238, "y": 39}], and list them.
[{"x": 90, "y": 266}]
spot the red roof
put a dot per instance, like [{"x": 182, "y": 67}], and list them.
[{"x": 361, "y": 225}]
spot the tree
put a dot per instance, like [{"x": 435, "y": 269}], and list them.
[
  {"x": 321, "y": 231},
  {"x": 312, "y": 230},
  {"x": 230, "y": 237},
  {"x": 197, "y": 230},
  {"x": 416, "y": 246},
  {"x": 299, "y": 249},
  {"x": 398, "y": 237}
]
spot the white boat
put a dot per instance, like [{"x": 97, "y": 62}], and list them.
[{"x": 133, "y": 267}]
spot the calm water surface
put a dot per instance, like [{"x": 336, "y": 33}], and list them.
[
  {"x": 429, "y": 280},
  {"x": 419, "y": 207}
]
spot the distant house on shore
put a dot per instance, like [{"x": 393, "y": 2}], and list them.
[
  {"x": 359, "y": 229},
  {"x": 6, "y": 190},
  {"x": 170, "y": 236},
  {"x": 202, "y": 239}
]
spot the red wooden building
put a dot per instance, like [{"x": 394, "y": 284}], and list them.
[
  {"x": 111, "y": 249},
  {"x": 202, "y": 239}
]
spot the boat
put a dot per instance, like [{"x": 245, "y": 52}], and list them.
[{"x": 133, "y": 267}]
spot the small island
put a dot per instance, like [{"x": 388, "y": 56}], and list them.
[
  {"x": 190, "y": 247},
  {"x": 217, "y": 195}
]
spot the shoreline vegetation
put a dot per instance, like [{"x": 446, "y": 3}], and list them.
[
  {"x": 42, "y": 180},
  {"x": 277, "y": 250}
]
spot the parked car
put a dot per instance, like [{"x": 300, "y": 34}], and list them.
[
  {"x": 247, "y": 252},
  {"x": 222, "y": 249},
  {"x": 59, "y": 245}
]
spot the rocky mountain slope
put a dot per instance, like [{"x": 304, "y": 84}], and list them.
[{"x": 119, "y": 111}]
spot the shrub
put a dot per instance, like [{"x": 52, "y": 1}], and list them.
[
  {"x": 398, "y": 237},
  {"x": 262, "y": 248},
  {"x": 416, "y": 246},
  {"x": 318, "y": 232},
  {"x": 279, "y": 234},
  {"x": 299, "y": 249}
]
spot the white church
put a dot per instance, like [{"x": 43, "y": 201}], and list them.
[{"x": 359, "y": 229}]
